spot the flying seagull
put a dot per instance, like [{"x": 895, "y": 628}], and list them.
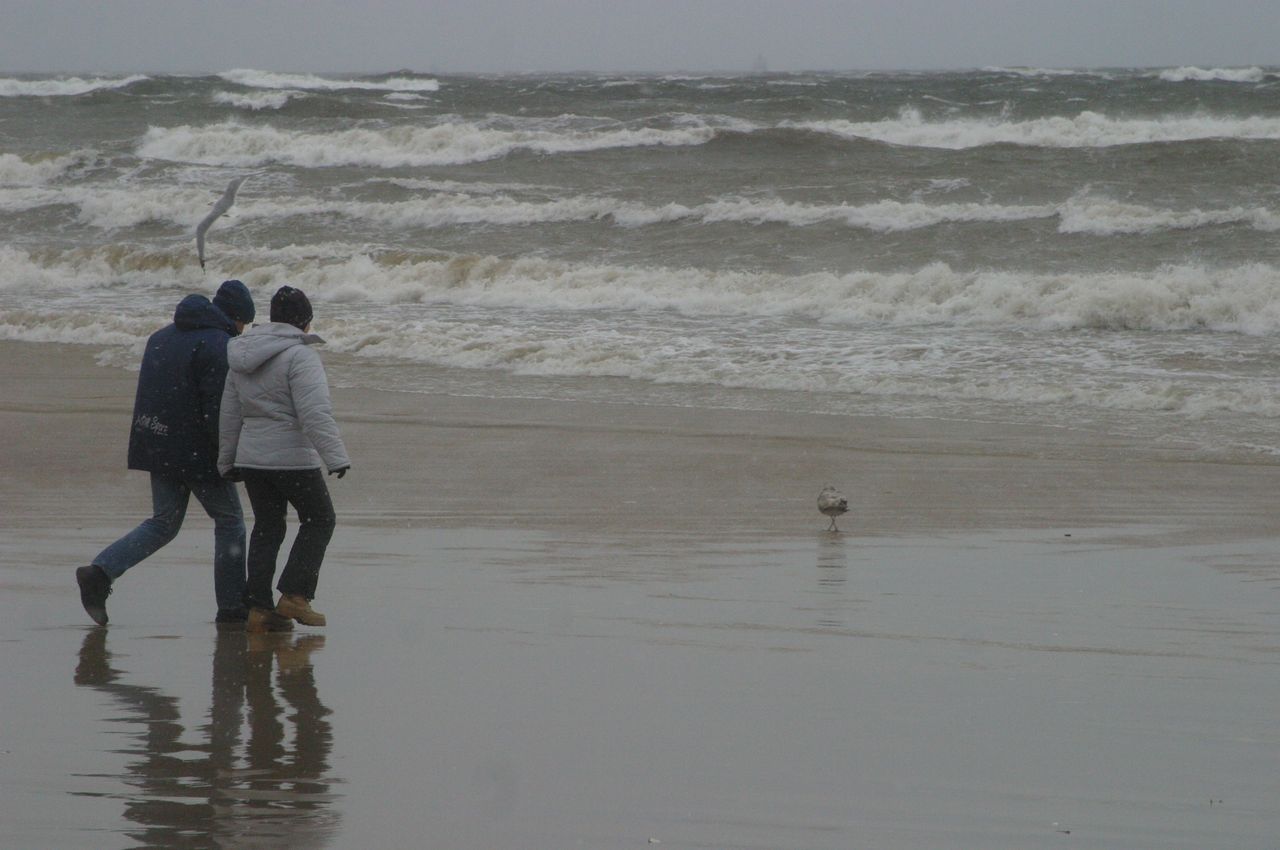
[
  {"x": 224, "y": 203},
  {"x": 832, "y": 503}
]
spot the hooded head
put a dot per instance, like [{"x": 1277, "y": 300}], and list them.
[
  {"x": 234, "y": 300},
  {"x": 291, "y": 306}
]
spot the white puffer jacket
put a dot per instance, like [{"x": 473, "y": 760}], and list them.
[{"x": 276, "y": 412}]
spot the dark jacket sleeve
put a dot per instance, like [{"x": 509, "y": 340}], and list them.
[{"x": 209, "y": 364}]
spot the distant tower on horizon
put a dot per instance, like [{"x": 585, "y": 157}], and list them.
[{"x": 760, "y": 66}]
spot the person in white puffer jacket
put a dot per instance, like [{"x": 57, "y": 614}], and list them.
[{"x": 277, "y": 433}]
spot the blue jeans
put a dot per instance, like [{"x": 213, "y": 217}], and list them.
[{"x": 169, "y": 497}]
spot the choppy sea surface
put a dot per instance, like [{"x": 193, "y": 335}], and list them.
[{"x": 1094, "y": 249}]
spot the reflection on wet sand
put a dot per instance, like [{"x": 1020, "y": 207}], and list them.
[
  {"x": 271, "y": 790},
  {"x": 833, "y": 611}
]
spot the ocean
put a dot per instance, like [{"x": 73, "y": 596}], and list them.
[{"x": 1078, "y": 249}]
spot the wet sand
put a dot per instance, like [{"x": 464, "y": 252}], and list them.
[{"x": 558, "y": 625}]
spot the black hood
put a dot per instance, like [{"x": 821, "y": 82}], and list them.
[{"x": 196, "y": 311}]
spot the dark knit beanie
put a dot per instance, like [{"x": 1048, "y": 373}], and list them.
[
  {"x": 234, "y": 300},
  {"x": 291, "y": 306}
]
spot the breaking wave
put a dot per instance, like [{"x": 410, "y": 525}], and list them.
[
  {"x": 271, "y": 80},
  {"x": 27, "y": 171},
  {"x": 63, "y": 86},
  {"x": 24, "y": 186},
  {"x": 458, "y": 142},
  {"x": 1227, "y": 75},
  {"x": 233, "y": 144},
  {"x": 1238, "y": 299},
  {"x": 1085, "y": 130},
  {"x": 255, "y": 100},
  {"x": 1101, "y": 217},
  {"x": 1045, "y": 72},
  {"x": 933, "y": 333},
  {"x": 445, "y": 210}
]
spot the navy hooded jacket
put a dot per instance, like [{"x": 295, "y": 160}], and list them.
[{"x": 175, "y": 413}]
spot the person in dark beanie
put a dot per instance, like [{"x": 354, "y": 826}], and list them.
[
  {"x": 278, "y": 434},
  {"x": 175, "y": 438}
]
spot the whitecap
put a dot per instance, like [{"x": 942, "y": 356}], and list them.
[
  {"x": 933, "y": 333},
  {"x": 1086, "y": 129},
  {"x": 34, "y": 171},
  {"x": 232, "y": 144},
  {"x": 273, "y": 80},
  {"x": 255, "y": 100},
  {"x": 1227, "y": 75},
  {"x": 1046, "y": 72},
  {"x": 453, "y": 204},
  {"x": 63, "y": 86},
  {"x": 1104, "y": 217},
  {"x": 1234, "y": 299}
]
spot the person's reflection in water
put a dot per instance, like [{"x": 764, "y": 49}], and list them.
[{"x": 273, "y": 794}]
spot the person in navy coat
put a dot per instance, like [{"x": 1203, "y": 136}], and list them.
[{"x": 174, "y": 437}]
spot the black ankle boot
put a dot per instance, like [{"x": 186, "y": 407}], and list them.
[{"x": 95, "y": 587}]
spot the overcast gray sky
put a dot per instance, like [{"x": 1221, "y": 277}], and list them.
[{"x": 630, "y": 35}]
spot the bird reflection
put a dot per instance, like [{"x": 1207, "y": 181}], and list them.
[
  {"x": 270, "y": 789},
  {"x": 832, "y": 576}
]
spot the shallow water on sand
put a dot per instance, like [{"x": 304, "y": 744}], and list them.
[{"x": 481, "y": 689}]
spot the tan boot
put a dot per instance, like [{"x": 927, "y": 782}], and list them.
[
  {"x": 297, "y": 608},
  {"x": 263, "y": 620}
]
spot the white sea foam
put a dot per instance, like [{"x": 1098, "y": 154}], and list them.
[
  {"x": 47, "y": 274},
  {"x": 63, "y": 86},
  {"x": 1239, "y": 299},
  {"x": 255, "y": 100},
  {"x": 271, "y": 80},
  {"x": 28, "y": 171},
  {"x": 448, "y": 207},
  {"x": 233, "y": 144},
  {"x": 1227, "y": 75},
  {"x": 883, "y": 216},
  {"x": 945, "y": 184},
  {"x": 455, "y": 143},
  {"x": 23, "y": 198},
  {"x": 71, "y": 327},
  {"x": 112, "y": 207},
  {"x": 603, "y": 347},
  {"x": 1102, "y": 217},
  {"x": 407, "y": 107},
  {"x": 934, "y": 333},
  {"x": 1046, "y": 72},
  {"x": 23, "y": 187},
  {"x": 1088, "y": 129},
  {"x": 459, "y": 204},
  {"x": 458, "y": 186}
]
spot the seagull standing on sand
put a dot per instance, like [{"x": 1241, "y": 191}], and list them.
[
  {"x": 224, "y": 203},
  {"x": 832, "y": 503}
]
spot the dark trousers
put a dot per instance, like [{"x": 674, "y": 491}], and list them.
[{"x": 271, "y": 491}]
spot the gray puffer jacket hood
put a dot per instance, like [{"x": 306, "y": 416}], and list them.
[{"x": 276, "y": 412}]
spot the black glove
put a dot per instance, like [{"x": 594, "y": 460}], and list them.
[
  {"x": 235, "y": 474},
  {"x": 340, "y": 471}
]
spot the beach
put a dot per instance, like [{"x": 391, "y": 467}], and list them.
[
  {"x": 596, "y": 343},
  {"x": 432, "y": 460},
  {"x": 581, "y": 624}
]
